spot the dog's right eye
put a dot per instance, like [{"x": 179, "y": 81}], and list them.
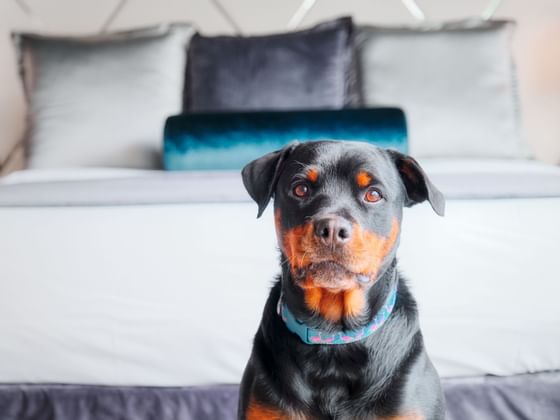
[
  {"x": 372, "y": 195},
  {"x": 300, "y": 190}
]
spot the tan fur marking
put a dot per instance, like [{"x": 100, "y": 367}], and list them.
[
  {"x": 257, "y": 411},
  {"x": 332, "y": 306},
  {"x": 313, "y": 298},
  {"x": 312, "y": 175},
  {"x": 366, "y": 252},
  {"x": 354, "y": 302},
  {"x": 363, "y": 179}
]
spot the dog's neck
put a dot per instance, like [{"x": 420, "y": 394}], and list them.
[{"x": 377, "y": 298}]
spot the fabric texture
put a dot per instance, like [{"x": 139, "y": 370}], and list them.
[
  {"x": 529, "y": 396},
  {"x": 102, "y": 100},
  {"x": 455, "y": 81},
  {"x": 207, "y": 141},
  {"x": 306, "y": 69}
]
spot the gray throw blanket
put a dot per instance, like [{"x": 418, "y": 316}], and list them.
[{"x": 521, "y": 397}]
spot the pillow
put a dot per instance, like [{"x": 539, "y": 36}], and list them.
[
  {"x": 307, "y": 69},
  {"x": 206, "y": 141},
  {"x": 102, "y": 100},
  {"x": 456, "y": 82}
]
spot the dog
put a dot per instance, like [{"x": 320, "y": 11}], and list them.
[{"x": 339, "y": 336}]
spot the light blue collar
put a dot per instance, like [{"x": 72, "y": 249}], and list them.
[{"x": 312, "y": 336}]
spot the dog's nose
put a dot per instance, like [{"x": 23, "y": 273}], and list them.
[{"x": 333, "y": 230}]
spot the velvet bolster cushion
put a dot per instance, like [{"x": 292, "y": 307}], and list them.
[{"x": 222, "y": 141}]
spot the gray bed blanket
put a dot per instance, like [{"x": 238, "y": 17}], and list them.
[
  {"x": 521, "y": 397},
  {"x": 457, "y": 179}
]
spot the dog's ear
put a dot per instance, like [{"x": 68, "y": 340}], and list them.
[
  {"x": 417, "y": 184},
  {"x": 261, "y": 175}
]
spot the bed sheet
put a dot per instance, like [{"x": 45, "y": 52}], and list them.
[{"x": 168, "y": 294}]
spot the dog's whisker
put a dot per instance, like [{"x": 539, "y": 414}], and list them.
[{"x": 302, "y": 258}]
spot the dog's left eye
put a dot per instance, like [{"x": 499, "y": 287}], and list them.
[
  {"x": 301, "y": 190},
  {"x": 372, "y": 195}
]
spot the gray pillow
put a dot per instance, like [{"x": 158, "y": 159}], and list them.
[
  {"x": 456, "y": 83},
  {"x": 102, "y": 100},
  {"x": 308, "y": 69}
]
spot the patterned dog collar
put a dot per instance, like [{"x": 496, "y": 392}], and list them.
[{"x": 313, "y": 336}]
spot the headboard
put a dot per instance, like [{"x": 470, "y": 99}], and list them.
[{"x": 536, "y": 47}]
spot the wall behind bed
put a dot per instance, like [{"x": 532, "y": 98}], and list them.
[{"x": 536, "y": 46}]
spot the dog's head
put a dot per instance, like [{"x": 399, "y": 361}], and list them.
[{"x": 338, "y": 210}]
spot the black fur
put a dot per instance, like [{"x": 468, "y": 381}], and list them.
[{"x": 388, "y": 373}]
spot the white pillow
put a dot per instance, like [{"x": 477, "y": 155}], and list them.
[
  {"x": 456, "y": 83},
  {"x": 102, "y": 101}
]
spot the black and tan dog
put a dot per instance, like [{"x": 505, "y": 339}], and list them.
[{"x": 339, "y": 336}]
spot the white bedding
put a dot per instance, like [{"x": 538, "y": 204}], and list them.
[
  {"x": 171, "y": 294},
  {"x": 432, "y": 166},
  {"x": 457, "y": 179}
]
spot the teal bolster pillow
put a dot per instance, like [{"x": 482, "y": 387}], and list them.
[{"x": 220, "y": 141}]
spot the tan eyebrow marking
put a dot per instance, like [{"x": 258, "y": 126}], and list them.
[
  {"x": 312, "y": 175},
  {"x": 363, "y": 179}
]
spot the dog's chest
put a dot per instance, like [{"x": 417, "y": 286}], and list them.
[{"x": 340, "y": 380}]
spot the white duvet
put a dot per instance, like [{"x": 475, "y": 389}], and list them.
[{"x": 171, "y": 294}]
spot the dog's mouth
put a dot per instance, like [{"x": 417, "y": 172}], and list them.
[
  {"x": 351, "y": 265},
  {"x": 329, "y": 274}
]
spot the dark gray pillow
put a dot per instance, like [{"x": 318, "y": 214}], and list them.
[{"x": 309, "y": 69}]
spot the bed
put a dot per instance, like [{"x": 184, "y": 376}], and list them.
[
  {"x": 135, "y": 293},
  {"x": 124, "y": 289}
]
